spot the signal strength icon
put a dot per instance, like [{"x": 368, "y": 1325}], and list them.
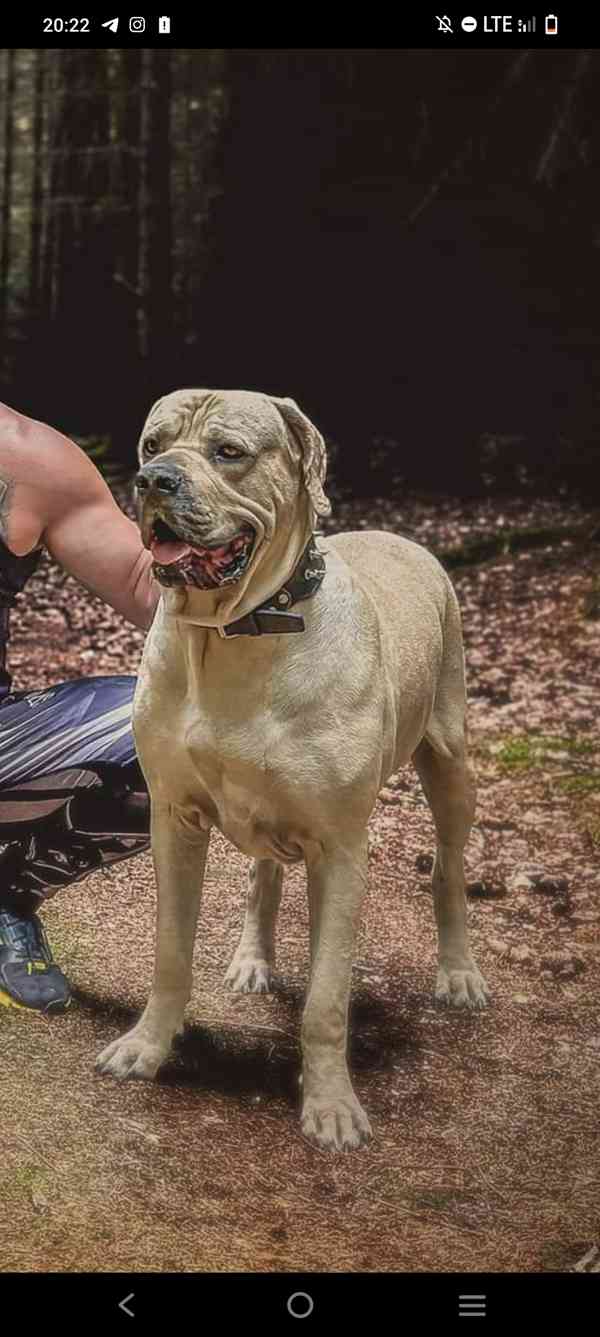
[
  {"x": 526, "y": 25},
  {"x": 471, "y": 1306}
]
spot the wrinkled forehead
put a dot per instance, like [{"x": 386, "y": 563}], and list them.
[{"x": 199, "y": 415}]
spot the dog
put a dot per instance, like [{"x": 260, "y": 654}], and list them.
[{"x": 280, "y": 686}]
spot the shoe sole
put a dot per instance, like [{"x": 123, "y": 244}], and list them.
[{"x": 7, "y": 1001}]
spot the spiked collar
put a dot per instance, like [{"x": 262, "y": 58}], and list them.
[{"x": 272, "y": 617}]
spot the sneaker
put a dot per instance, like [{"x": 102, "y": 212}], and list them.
[{"x": 29, "y": 977}]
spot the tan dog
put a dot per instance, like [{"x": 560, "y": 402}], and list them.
[{"x": 283, "y": 741}]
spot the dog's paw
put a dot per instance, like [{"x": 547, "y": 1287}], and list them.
[
  {"x": 338, "y": 1124},
  {"x": 249, "y": 974},
  {"x": 465, "y": 987},
  {"x": 132, "y": 1055}
]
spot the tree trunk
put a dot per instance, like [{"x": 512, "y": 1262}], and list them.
[
  {"x": 159, "y": 232},
  {"x": 547, "y": 164},
  {"x": 144, "y": 200},
  {"x": 36, "y": 184},
  {"x": 5, "y": 238},
  {"x": 126, "y": 186}
]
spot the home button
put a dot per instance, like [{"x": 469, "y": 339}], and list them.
[{"x": 300, "y": 1304}]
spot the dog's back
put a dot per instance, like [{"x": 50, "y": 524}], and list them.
[{"x": 399, "y": 568}]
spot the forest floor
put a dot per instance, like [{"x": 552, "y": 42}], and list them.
[{"x": 486, "y": 1153}]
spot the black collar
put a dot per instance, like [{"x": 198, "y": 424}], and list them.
[{"x": 271, "y": 618}]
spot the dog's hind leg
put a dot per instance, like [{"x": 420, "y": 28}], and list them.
[
  {"x": 450, "y": 792},
  {"x": 252, "y": 966},
  {"x": 441, "y": 763}
]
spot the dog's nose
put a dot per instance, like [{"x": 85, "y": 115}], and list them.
[{"x": 163, "y": 477}]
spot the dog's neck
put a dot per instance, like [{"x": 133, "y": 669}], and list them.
[{"x": 271, "y": 568}]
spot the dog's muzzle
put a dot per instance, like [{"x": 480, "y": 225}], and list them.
[{"x": 182, "y": 557}]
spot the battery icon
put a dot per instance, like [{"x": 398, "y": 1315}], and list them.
[
  {"x": 164, "y": 25},
  {"x": 551, "y": 25}
]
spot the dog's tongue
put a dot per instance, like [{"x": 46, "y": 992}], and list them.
[{"x": 167, "y": 553}]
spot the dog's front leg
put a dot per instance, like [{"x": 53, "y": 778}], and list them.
[
  {"x": 179, "y": 851},
  {"x": 332, "y": 1117}
]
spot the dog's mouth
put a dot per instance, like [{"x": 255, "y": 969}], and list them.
[{"x": 179, "y": 562}]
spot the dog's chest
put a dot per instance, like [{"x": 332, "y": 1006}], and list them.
[
  {"x": 223, "y": 756},
  {"x": 237, "y": 787}
]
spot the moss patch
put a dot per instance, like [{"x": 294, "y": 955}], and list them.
[
  {"x": 28, "y": 1182},
  {"x": 486, "y": 547},
  {"x": 522, "y": 753},
  {"x": 579, "y": 784}
]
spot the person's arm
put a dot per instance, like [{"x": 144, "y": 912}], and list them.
[
  {"x": 98, "y": 545},
  {"x": 91, "y": 538}
]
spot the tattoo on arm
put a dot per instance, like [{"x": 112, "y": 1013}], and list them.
[{"x": 4, "y": 508}]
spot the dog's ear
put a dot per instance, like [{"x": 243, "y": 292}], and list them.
[{"x": 312, "y": 452}]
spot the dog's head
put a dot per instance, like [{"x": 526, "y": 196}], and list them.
[{"x": 220, "y": 473}]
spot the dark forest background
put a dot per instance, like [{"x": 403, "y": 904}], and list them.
[{"x": 405, "y": 241}]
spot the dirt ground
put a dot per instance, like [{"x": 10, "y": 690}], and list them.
[{"x": 486, "y": 1153}]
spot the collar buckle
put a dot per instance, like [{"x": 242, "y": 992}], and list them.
[{"x": 273, "y": 617}]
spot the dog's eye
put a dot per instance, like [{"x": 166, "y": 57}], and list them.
[
  {"x": 150, "y": 446},
  {"x": 229, "y": 453}
]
